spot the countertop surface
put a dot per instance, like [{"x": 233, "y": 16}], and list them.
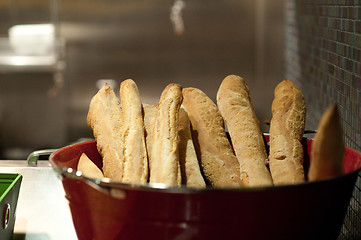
[{"x": 42, "y": 211}]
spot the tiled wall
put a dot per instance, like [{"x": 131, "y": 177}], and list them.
[{"x": 323, "y": 56}]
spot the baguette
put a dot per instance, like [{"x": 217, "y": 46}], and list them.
[
  {"x": 105, "y": 119},
  {"x": 286, "y": 132},
  {"x": 135, "y": 166},
  {"x": 234, "y": 103},
  {"x": 88, "y": 168},
  {"x": 150, "y": 113},
  {"x": 219, "y": 164},
  {"x": 327, "y": 148},
  {"x": 190, "y": 170},
  {"x": 165, "y": 166}
]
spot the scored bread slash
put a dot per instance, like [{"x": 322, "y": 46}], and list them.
[
  {"x": 327, "y": 148},
  {"x": 165, "y": 166},
  {"x": 88, "y": 168},
  {"x": 286, "y": 132},
  {"x": 135, "y": 166},
  {"x": 105, "y": 119},
  {"x": 220, "y": 165},
  {"x": 234, "y": 103},
  {"x": 190, "y": 169}
]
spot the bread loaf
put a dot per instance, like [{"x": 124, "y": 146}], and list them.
[
  {"x": 88, "y": 168},
  {"x": 105, "y": 119},
  {"x": 190, "y": 170},
  {"x": 234, "y": 103},
  {"x": 286, "y": 132},
  {"x": 219, "y": 163},
  {"x": 150, "y": 113},
  {"x": 327, "y": 148},
  {"x": 165, "y": 166},
  {"x": 135, "y": 166}
]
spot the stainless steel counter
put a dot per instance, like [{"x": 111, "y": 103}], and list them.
[{"x": 42, "y": 212}]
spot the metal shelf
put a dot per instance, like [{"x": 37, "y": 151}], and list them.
[{"x": 11, "y": 61}]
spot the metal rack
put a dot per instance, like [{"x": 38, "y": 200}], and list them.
[{"x": 26, "y": 46}]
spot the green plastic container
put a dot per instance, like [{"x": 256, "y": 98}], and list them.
[{"x": 9, "y": 193}]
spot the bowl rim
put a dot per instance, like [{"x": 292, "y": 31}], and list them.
[{"x": 106, "y": 183}]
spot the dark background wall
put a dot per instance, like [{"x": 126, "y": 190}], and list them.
[{"x": 323, "y": 55}]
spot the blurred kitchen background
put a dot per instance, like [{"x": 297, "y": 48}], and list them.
[
  {"x": 45, "y": 93},
  {"x": 46, "y": 85}
]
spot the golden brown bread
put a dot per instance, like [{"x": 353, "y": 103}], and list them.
[
  {"x": 327, "y": 148},
  {"x": 105, "y": 119},
  {"x": 88, "y": 168},
  {"x": 150, "y": 113},
  {"x": 234, "y": 103},
  {"x": 286, "y": 132},
  {"x": 190, "y": 169},
  {"x": 219, "y": 164},
  {"x": 135, "y": 166},
  {"x": 165, "y": 166}
]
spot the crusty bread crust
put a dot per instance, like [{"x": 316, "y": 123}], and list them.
[
  {"x": 105, "y": 119},
  {"x": 150, "y": 114},
  {"x": 133, "y": 136},
  {"x": 190, "y": 169},
  {"x": 165, "y": 166},
  {"x": 219, "y": 164},
  {"x": 88, "y": 168},
  {"x": 327, "y": 148},
  {"x": 286, "y": 132},
  {"x": 234, "y": 103}
]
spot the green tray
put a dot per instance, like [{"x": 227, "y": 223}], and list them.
[{"x": 9, "y": 193}]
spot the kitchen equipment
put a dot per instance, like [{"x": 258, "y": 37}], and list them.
[
  {"x": 110, "y": 210},
  {"x": 9, "y": 193}
]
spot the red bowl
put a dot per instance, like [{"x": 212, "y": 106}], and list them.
[{"x": 311, "y": 210}]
